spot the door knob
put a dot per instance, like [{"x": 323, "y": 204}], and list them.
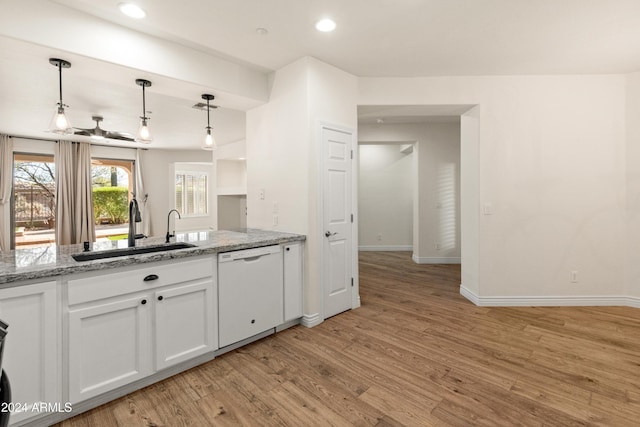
[{"x": 329, "y": 234}]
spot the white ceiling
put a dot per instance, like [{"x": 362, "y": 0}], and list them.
[
  {"x": 403, "y": 37},
  {"x": 388, "y": 38}
]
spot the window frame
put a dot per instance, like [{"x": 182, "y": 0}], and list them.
[{"x": 199, "y": 193}]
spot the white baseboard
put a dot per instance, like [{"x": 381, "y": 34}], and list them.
[
  {"x": 386, "y": 248},
  {"x": 311, "y": 320},
  {"x": 550, "y": 301},
  {"x": 435, "y": 260}
]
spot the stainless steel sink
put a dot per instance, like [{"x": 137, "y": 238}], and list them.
[{"x": 114, "y": 253}]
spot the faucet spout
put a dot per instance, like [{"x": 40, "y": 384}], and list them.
[
  {"x": 134, "y": 216},
  {"x": 169, "y": 235}
]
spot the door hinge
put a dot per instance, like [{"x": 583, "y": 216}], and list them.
[
  {"x": 352, "y": 282},
  {"x": 351, "y": 154},
  {"x": 351, "y": 217}
]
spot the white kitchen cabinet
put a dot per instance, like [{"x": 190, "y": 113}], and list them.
[
  {"x": 125, "y": 325},
  {"x": 293, "y": 281},
  {"x": 185, "y": 324},
  {"x": 108, "y": 346},
  {"x": 31, "y": 353}
]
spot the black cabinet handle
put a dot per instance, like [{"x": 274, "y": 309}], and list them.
[
  {"x": 288, "y": 248},
  {"x": 160, "y": 298},
  {"x": 143, "y": 302},
  {"x": 253, "y": 321},
  {"x": 151, "y": 277}
]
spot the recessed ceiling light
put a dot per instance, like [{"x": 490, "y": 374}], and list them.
[
  {"x": 325, "y": 25},
  {"x": 132, "y": 10},
  {"x": 262, "y": 31}
]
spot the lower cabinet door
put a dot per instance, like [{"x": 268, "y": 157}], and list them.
[
  {"x": 31, "y": 355},
  {"x": 185, "y": 322},
  {"x": 293, "y": 281},
  {"x": 108, "y": 346}
]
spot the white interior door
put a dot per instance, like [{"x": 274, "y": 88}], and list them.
[{"x": 337, "y": 219}]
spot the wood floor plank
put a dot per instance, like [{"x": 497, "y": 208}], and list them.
[{"x": 415, "y": 354}]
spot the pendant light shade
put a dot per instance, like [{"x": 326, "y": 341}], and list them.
[
  {"x": 59, "y": 122},
  {"x": 209, "y": 140},
  {"x": 144, "y": 134}
]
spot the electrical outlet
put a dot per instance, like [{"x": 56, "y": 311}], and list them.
[
  {"x": 262, "y": 194},
  {"x": 574, "y": 276},
  {"x": 275, "y": 220},
  {"x": 379, "y": 237},
  {"x": 438, "y": 246}
]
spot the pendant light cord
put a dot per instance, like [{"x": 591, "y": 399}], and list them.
[
  {"x": 144, "y": 106},
  {"x": 60, "y": 81},
  {"x": 208, "y": 113}
]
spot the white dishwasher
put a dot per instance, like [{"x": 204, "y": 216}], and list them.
[{"x": 250, "y": 292}]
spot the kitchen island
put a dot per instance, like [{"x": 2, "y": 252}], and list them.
[{"x": 82, "y": 333}]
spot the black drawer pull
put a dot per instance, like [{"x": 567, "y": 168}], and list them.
[
  {"x": 143, "y": 302},
  {"x": 151, "y": 277},
  {"x": 253, "y": 321},
  {"x": 160, "y": 298},
  {"x": 288, "y": 248}
]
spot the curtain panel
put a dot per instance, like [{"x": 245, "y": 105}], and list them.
[
  {"x": 142, "y": 197},
  {"x": 74, "y": 201},
  {"x": 6, "y": 179}
]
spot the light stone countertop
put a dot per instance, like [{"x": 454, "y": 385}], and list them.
[{"x": 51, "y": 261}]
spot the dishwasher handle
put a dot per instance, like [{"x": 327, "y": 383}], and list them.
[{"x": 249, "y": 255}]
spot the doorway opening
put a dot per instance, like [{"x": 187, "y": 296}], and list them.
[{"x": 445, "y": 218}]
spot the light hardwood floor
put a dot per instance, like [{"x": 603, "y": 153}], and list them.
[{"x": 417, "y": 354}]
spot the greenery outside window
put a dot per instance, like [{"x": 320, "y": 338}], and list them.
[{"x": 192, "y": 189}]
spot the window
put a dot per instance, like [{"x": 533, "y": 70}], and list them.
[
  {"x": 112, "y": 183},
  {"x": 34, "y": 199},
  {"x": 33, "y": 207},
  {"x": 192, "y": 193}
]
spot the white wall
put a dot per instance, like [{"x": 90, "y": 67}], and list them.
[
  {"x": 385, "y": 197},
  {"x": 632, "y": 247},
  {"x": 282, "y": 156},
  {"x": 551, "y": 161},
  {"x": 159, "y": 181},
  {"x": 232, "y": 212},
  {"x": 231, "y": 176},
  {"x": 469, "y": 202},
  {"x": 436, "y": 223}
]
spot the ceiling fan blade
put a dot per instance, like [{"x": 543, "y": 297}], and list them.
[
  {"x": 83, "y": 132},
  {"x": 122, "y": 136}
]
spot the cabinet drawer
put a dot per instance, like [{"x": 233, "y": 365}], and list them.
[{"x": 108, "y": 285}]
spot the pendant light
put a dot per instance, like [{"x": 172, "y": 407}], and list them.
[
  {"x": 209, "y": 140},
  {"x": 144, "y": 134},
  {"x": 59, "y": 123}
]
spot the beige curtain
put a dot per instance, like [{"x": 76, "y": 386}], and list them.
[
  {"x": 142, "y": 197},
  {"x": 74, "y": 203},
  {"x": 6, "y": 179},
  {"x": 85, "y": 230}
]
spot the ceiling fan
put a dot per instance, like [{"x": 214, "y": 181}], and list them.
[{"x": 98, "y": 132}]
